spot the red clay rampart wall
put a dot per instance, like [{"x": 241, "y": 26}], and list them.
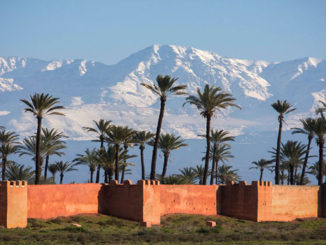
[
  {"x": 189, "y": 199},
  {"x": 291, "y": 202},
  {"x": 121, "y": 200},
  {"x": 50, "y": 201},
  {"x": 240, "y": 200}
]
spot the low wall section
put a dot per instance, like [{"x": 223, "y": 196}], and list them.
[
  {"x": 291, "y": 202},
  {"x": 189, "y": 199},
  {"x": 50, "y": 201}
]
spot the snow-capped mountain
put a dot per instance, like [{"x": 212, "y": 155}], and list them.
[{"x": 92, "y": 90}]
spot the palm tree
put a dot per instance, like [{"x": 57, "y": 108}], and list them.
[
  {"x": 211, "y": 100},
  {"x": 19, "y": 172},
  {"x": 102, "y": 126},
  {"x": 29, "y": 148},
  {"x": 64, "y": 168},
  {"x": 307, "y": 129},
  {"x": 199, "y": 173},
  {"x": 188, "y": 175},
  {"x": 226, "y": 173},
  {"x": 53, "y": 170},
  {"x": 52, "y": 140},
  {"x": 282, "y": 107},
  {"x": 293, "y": 152},
  {"x": 130, "y": 133},
  {"x": 319, "y": 129},
  {"x": 41, "y": 105},
  {"x": 141, "y": 138},
  {"x": 175, "y": 179},
  {"x": 222, "y": 153},
  {"x": 8, "y": 146},
  {"x": 218, "y": 137},
  {"x": 90, "y": 159},
  {"x": 163, "y": 89},
  {"x": 107, "y": 160},
  {"x": 314, "y": 170},
  {"x": 116, "y": 135},
  {"x": 168, "y": 143},
  {"x": 262, "y": 164}
]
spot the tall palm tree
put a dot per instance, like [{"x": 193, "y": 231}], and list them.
[
  {"x": 207, "y": 102},
  {"x": 52, "y": 140},
  {"x": 226, "y": 173},
  {"x": 319, "y": 129},
  {"x": 116, "y": 135},
  {"x": 19, "y": 172},
  {"x": 168, "y": 143},
  {"x": 307, "y": 129},
  {"x": 64, "y": 167},
  {"x": 41, "y": 105},
  {"x": 8, "y": 146},
  {"x": 218, "y": 137},
  {"x": 282, "y": 107},
  {"x": 262, "y": 164},
  {"x": 90, "y": 159},
  {"x": 102, "y": 126},
  {"x": 29, "y": 148},
  {"x": 53, "y": 170},
  {"x": 293, "y": 152},
  {"x": 163, "y": 89},
  {"x": 141, "y": 138}
]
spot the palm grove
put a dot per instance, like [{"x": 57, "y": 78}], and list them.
[{"x": 112, "y": 158}]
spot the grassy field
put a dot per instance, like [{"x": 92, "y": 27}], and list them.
[{"x": 175, "y": 229}]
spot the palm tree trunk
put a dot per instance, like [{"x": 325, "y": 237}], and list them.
[
  {"x": 165, "y": 165},
  {"x": 91, "y": 175},
  {"x": 46, "y": 167},
  {"x": 123, "y": 173},
  {"x": 157, "y": 136},
  {"x": 305, "y": 161},
  {"x": 291, "y": 174},
  {"x": 261, "y": 175},
  {"x": 216, "y": 171},
  {"x": 117, "y": 152},
  {"x": 208, "y": 139},
  {"x": 142, "y": 162},
  {"x": 278, "y": 152},
  {"x": 213, "y": 165},
  {"x": 38, "y": 151},
  {"x": 61, "y": 178},
  {"x": 4, "y": 163},
  {"x": 110, "y": 173},
  {"x": 99, "y": 167},
  {"x": 105, "y": 176},
  {"x": 321, "y": 160},
  {"x": 282, "y": 180}
]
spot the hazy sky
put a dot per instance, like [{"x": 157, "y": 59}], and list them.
[{"x": 108, "y": 31}]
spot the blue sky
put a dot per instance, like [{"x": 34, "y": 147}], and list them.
[{"x": 108, "y": 31}]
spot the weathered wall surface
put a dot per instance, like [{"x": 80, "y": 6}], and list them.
[
  {"x": 189, "y": 199},
  {"x": 50, "y": 201},
  {"x": 291, "y": 202},
  {"x": 240, "y": 200},
  {"x": 121, "y": 200}
]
